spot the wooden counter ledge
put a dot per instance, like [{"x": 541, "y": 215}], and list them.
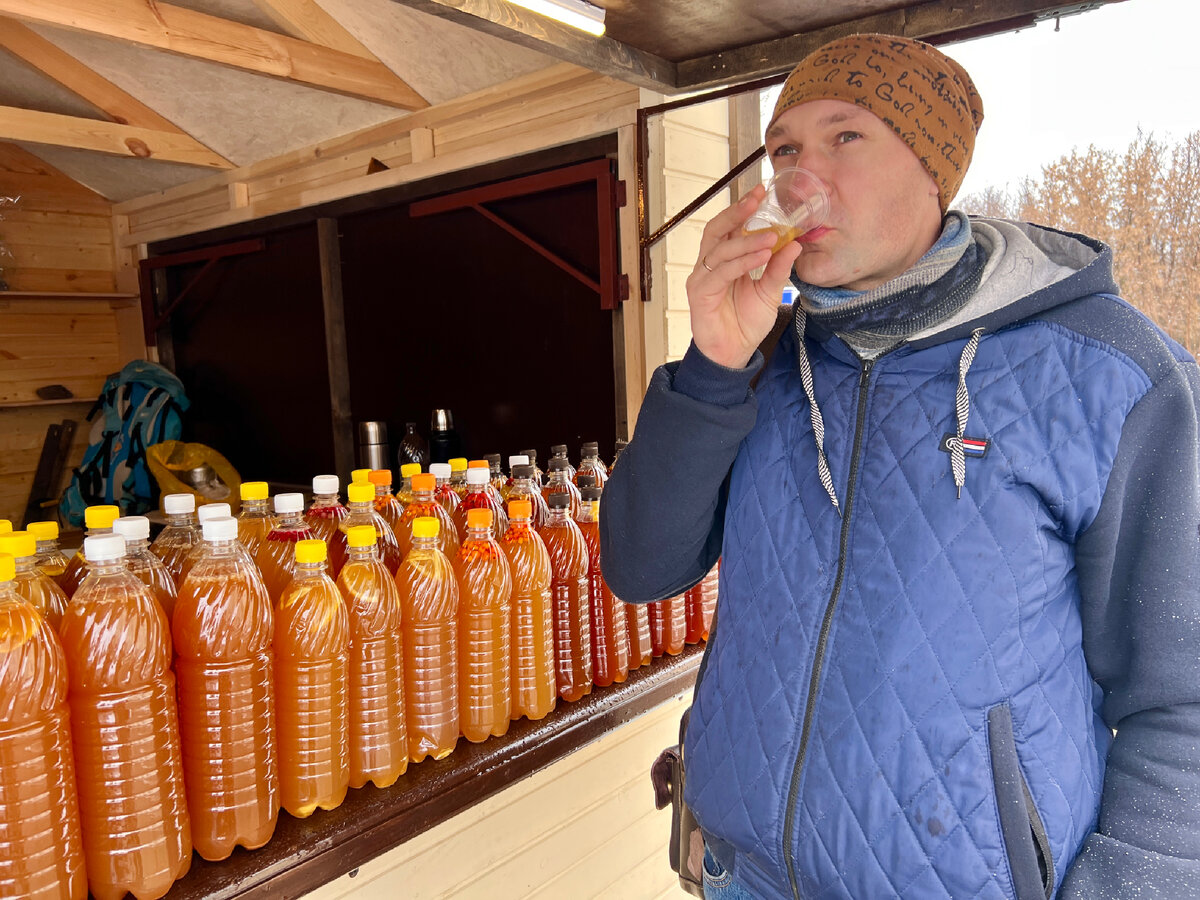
[{"x": 306, "y": 853}]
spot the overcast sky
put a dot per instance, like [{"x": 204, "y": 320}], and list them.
[{"x": 1094, "y": 81}]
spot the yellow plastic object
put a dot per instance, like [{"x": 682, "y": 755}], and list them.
[
  {"x": 360, "y": 492},
  {"x": 18, "y": 544},
  {"x": 100, "y": 516},
  {"x": 8, "y": 568},
  {"x": 5, "y": 526},
  {"x": 458, "y": 464},
  {"x": 254, "y": 490},
  {"x": 357, "y": 475},
  {"x": 408, "y": 470},
  {"x": 425, "y": 526},
  {"x": 310, "y": 551},
  {"x": 182, "y": 468},
  {"x": 43, "y": 531},
  {"x": 360, "y": 536}
]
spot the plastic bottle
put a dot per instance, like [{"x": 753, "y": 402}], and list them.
[
  {"x": 538, "y": 474},
  {"x": 413, "y": 448},
  {"x": 49, "y": 559},
  {"x": 532, "y": 633},
  {"x": 29, "y": 582},
  {"x": 559, "y": 451},
  {"x": 498, "y": 480},
  {"x": 637, "y": 624},
  {"x": 700, "y": 603},
  {"x": 97, "y": 520},
  {"x": 223, "y": 628},
  {"x": 407, "y": 471},
  {"x": 569, "y": 595},
  {"x": 668, "y": 625},
  {"x": 458, "y": 476},
  {"x": 429, "y": 603},
  {"x": 312, "y": 646},
  {"x": 136, "y": 832},
  {"x": 143, "y": 564},
  {"x": 610, "y": 638},
  {"x": 175, "y": 542},
  {"x": 378, "y": 736},
  {"x": 276, "y": 557},
  {"x": 424, "y": 505},
  {"x": 255, "y": 520},
  {"x": 360, "y": 476},
  {"x": 41, "y": 852},
  {"x": 523, "y": 488},
  {"x": 199, "y": 549},
  {"x": 618, "y": 449},
  {"x": 386, "y": 503},
  {"x": 560, "y": 483},
  {"x": 324, "y": 516},
  {"x": 591, "y": 464},
  {"x": 443, "y": 493},
  {"x": 517, "y": 459},
  {"x": 361, "y": 511},
  {"x": 485, "y": 593},
  {"x": 479, "y": 497}
]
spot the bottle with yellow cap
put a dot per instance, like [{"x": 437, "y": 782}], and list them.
[
  {"x": 378, "y": 737},
  {"x": 96, "y": 520},
  {"x": 136, "y": 831},
  {"x": 49, "y": 558},
  {"x": 404, "y": 496},
  {"x": 571, "y": 604},
  {"x": 429, "y": 604},
  {"x": 424, "y": 505},
  {"x": 386, "y": 503},
  {"x": 458, "y": 475},
  {"x": 531, "y": 635},
  {"x": 30, "y": 583},
  {"x": 359, "y": 476},
  {"x": 362, "y": 511},
  {"x": 324, "y": 515},
  {"x": 255, "y": 520},
  {"x": 480, "y": 496},
  {"x": 312, "y": 645},
  {"x": 485, "y": 592},
  {"x": 144, "y": 565},
  {"x": 182, "y": 533},
  {"x": 610, "y": 637},
  {"x": 223, "y": 628},
  {"x": 41, "y": 851}
]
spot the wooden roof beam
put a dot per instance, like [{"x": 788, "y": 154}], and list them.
[
  {"x": 105, "y": 137},
  {"x": 174, "y": 29},
  {"x": 306, "y": 21}
]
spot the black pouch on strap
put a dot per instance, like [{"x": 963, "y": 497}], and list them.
[{"x": 686, "y": 849}]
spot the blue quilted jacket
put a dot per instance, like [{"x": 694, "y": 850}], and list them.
[{"x": 917, "y": 672}]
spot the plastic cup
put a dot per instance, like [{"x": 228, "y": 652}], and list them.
[{"x": 795, "y": 204}]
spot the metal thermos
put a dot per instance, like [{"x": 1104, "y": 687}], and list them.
[
  {"x": 373, "y": 452},
  {"x": 444, "y": 443}
]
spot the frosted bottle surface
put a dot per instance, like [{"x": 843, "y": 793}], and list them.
[
  {"x": 29, "y": 582},
  {"x": 570, "y": 598},
  {"x": 41, "y": 852},
  {"x": 485, "y": 594},
  {"x": 136, "y": 830},
  {"x": 429, "y": 604},
  {"x": 531, "y": 635},
  {"x": 701, "y": 604},
  {"x": 668, "y": 625},
  {"x": 378, "y": 735},
  {"x": 312, "y": 644},
  {"x": 610, "y": 638},
  {"x": 223, "y": 628}
]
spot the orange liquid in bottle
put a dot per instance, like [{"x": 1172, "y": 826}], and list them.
[
  {"x": 41, "y": 851},
  {"x": 571, "y": 603},
  {"x": 276, "y": 557},
  {"x": 485, "y": 593},
  {"x": 386, "y": 503},
  {"x": 50, "y": 560},
  {"x": 668, "y": 625},
  {"x": 429, "y": 601},
  {"x": 136, "y": 831},
  {"x": 701, "y": 603},
  {"x": 312, "y": 644},
  {"x": 29, "y": 582},
  {"x": 378, "y": 735},
  {"x": 223, "y": 630},
  {"x": 610, "y": 639},
  {"x": 324, "y": 516},
  {"x": 173, "y": 545},
  {"x": 424, "y": 505},
  {"x": 532, "y": 633},
  {"x": 152, "y": 572},
  {"x": 361, "y": 511},
  {"x": 637, "y": 624}
]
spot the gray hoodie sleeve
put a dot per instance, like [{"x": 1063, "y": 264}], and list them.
[
  {"x": 661, "y": 519},
  {"x": 1139, "y": 575}
]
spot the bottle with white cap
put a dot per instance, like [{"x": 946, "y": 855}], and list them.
[
  {"x": 30, "y": 583},
  {"x": 144, "y": 565},
  {"x": 324, "y": 516},
  {"x": 524, "y": 487},
  {"x": 443, "y": 491},
  {"x": 181, "y": 534},
  {"x": 479, "y": 496},
  {"x": 276, "y": 555},
  {"x": 223, "y": 628},
  {"x": 136, "y": 831},
  {"x": 204, "y": 513},
  {"x": 517, "y": 459}
]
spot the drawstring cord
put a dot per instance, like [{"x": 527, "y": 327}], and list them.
[
  {"x": 962, "y": 409},
  {"x": 814, "y": 411}
]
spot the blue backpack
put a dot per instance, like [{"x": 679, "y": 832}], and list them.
[{"x": 140, "y": 406}]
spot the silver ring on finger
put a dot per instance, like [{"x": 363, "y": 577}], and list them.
[{"x": 704, "y": 262}]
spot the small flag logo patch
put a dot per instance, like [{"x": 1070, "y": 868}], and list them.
[{"x": 975, "y": 448}]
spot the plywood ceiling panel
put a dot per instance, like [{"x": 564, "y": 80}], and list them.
[
  {"x": 112, "y": 177},
  {"x": 26, "y": 87}
]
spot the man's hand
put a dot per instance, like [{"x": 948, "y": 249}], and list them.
[{"x": 731, "y": 312}]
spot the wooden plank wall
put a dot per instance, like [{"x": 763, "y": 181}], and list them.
[{"x": 585, "y": 827}]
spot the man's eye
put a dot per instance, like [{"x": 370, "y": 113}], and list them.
[
  {"x": 845, "y": 137},
  {"x": 783, "y": 150}
]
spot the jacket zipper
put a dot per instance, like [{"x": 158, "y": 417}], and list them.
[{"x": 823, "y": 636}]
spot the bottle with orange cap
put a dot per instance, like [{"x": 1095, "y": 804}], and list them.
[
  {"x": 97, "y": 520},
  {"x": 144, "y": 565},
  {"x": 423, "y": 504},
  {"x": 531, "y": 634},
  {"x": 255, "y": 520},
  {"x": 312, "y": 646},
  {"x": 378, "y": 736},
  {"x": 324, "y": 516},
  {"x": 484, "y": 621},
  {"x": 41, "y": 851},
  {"x": 443, "y": 493},
  {"x": 479, "y": 496},
  {"x": 276, "y": 556},
  {"x": 569, "y": 595},
  {"x": 458, "y": 475},
  {"x": 610, "y": 640},
  {"x": 361, "y": 511},
  {"x": 223, "y": 627},
  {"x": 404, "y": 496},
  {"x": 30, "y": 583},
  {"x": 386, "y": 503},
  {"x": 429, "y": 604},
  {"x": 175, "y": 542},
  {"x": 49, "y": 558},
  {"x": 136, "y": 830}
]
